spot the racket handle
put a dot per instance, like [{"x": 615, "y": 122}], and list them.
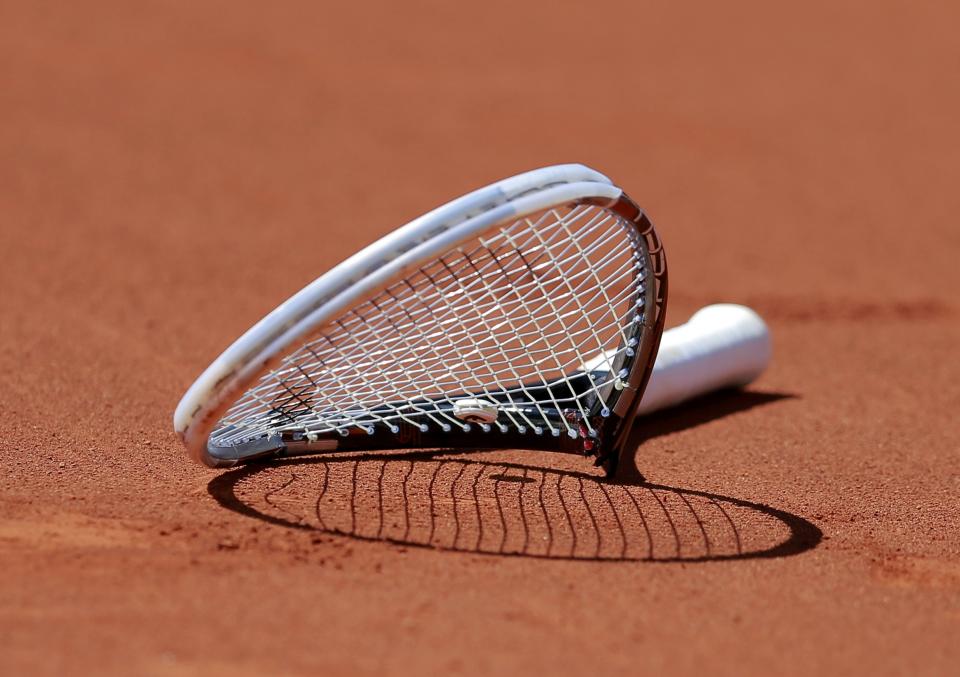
[{"x": 721, "y": 346}]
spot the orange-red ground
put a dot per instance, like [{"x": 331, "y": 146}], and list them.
[{"x": 170, "y": 171}]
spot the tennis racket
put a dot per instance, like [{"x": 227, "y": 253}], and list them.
[{"x": 526, "y": 314}]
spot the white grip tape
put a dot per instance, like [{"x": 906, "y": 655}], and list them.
[{"x": 721, "y": 346}]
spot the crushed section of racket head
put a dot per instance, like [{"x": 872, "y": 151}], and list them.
[{"x": 526, "y": 314}]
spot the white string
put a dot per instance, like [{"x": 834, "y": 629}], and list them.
[{"x": 523, "y": 307}]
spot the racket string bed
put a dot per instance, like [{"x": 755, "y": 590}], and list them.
[
  {"x": 510, "y": 318},
  {"x": 400, "y": 329}
]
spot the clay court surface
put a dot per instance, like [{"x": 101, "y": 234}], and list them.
[{"x": 170, "y": 171}]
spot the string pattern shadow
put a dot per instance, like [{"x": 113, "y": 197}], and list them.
[{"x": 453, "y": 503}]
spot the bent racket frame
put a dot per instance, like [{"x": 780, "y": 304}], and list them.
[{"x": 219, "y": 430}]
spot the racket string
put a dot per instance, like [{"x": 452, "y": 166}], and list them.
[
  {"x": 565, "y": 310},
  {"x": 511, "y": 318},
  {"x": 359, "y": 336},
  {"x": 406, "y": 364}
]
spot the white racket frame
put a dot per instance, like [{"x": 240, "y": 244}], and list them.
[{"x": 263, "y": 346}]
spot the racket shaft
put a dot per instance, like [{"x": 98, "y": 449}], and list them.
[{"x": 721, "y": 346}]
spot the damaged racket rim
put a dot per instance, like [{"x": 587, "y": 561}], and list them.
[{"x": 523, "y": 315}]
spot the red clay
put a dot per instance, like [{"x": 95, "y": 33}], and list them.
[{"x": 170, "y": 171}]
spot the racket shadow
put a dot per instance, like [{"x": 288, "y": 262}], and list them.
[{"x": 449, "y": 501}]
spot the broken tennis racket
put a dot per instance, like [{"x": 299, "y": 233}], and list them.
[{"x": 526, "y": 314}]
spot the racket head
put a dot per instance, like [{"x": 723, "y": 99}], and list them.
[{"x": 517, "y": 266}]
